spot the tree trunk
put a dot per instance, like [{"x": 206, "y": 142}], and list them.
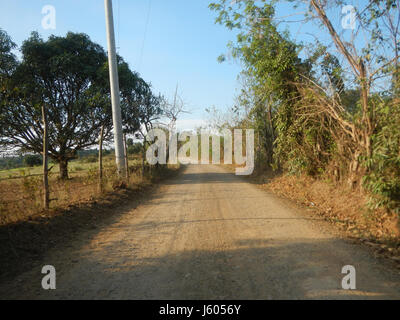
[
  {"x": 46, "y": 192},
  {"x": 63, "y": 169},
  {"x": 126, "y": 159},
  {"x": 167, "y": 149},
  {"x": 258, "y": 149},
  {"x": 101, "y": 159},
  {"x": 143, "y": 156},
  {"x": 368, "y": 126},
  {"x": 354, "y": 166}
]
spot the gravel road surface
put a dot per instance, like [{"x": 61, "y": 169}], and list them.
[{"x": 207, "y": 234}]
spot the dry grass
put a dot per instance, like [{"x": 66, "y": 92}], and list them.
[
  {"x": 21, "y": 199},
  {"x": 33, "y": 233},
  {"x": 346, "y": 209},
  {"x": 339, "y": 204}
]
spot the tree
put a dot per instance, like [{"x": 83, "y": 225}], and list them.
[
  {"x": 32, "y": 160},
  {"x": 134, "y": 92},
  {"x": 272, "y": 68},
  {"x": 173, "y": 110},
  {"x": 64, "y": 73},
  {"x": 140, "y": 108},
  {"x": 8, "y": 63},
  {"x": 135, "y": 148},
  {"x": 335, "y": 110}
]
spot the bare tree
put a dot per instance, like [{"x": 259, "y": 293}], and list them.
[{"x": 173, "y": 110}]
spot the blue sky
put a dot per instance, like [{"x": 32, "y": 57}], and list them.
[{"x": 181, "y": 44}]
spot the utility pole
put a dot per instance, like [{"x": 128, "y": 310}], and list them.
[{"x": 116, "y": 109}]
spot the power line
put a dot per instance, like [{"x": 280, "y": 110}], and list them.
[
  {"x": 119, "y": 24},
  {"x": 144, "y": 36}
]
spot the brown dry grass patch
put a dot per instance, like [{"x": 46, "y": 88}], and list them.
[{"x": 344, "y": 208}]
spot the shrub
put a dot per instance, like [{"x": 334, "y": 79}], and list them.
[
  {"x": 135, "y": 148},
  {"x": 32, "y": 160},
  {"x": 90, "y": 159},
  {"x": 383, "y": 176}
]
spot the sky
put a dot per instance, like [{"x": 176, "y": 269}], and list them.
[{"x": 169, "y": 42}]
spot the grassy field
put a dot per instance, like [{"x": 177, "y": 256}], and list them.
[
  {"x": 75, "y": 167},
  {"x": 21, "y": 189}
]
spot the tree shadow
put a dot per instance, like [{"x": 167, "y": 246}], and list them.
[
  {"x": 257, "y": 269},
  {"x": 205, "y": 177},
  {"x": 24, "y": 244}
]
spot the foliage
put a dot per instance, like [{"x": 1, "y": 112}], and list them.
[
  {"x": 383, "y": 177},
  {"x": 135, "y": 148},
  {"x": 68, "y": 76},
  {"x": 323, "y": 109},
  {"x": 63, "y": 74},
  {"x": 32, "y": 160}
]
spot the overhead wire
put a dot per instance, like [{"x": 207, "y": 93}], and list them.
[
  {"x": 144, "y": 36},
  {"x": 116, "y": 4}
]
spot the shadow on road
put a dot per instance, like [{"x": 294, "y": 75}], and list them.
[
  {"x": 257, "y": 269},
  {"x": 206, "y": 177}
]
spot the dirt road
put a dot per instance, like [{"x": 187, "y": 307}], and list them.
[{"x": 208, "y": 234}]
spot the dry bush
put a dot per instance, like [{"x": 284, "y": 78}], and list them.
[
  {"x": 339, "y": 204},
  {"x": 21, "y": 199}
]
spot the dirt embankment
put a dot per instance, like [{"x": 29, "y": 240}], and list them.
[{"x": 346, "y": 209}]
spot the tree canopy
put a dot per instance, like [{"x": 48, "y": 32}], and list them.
[
  {"x": 321, "y": 107},
  {"x": 69, "y": 76}
]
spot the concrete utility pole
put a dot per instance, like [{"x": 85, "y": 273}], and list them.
[{"x": 116, "y": 109}]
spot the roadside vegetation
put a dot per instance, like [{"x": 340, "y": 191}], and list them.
[
  {"x": 21, "y": 195},
  {"x": 326, "y": 111},
  {"x": 55, "y": 101}
]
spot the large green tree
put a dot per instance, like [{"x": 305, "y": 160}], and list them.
[
  {"x": 63, "y": 73},
  {"x": 8, "y": 63},
  {"x": 69, "y": 76},
  {"x": 272, "y": 69},
  {"x": 335, "y": 111}
]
